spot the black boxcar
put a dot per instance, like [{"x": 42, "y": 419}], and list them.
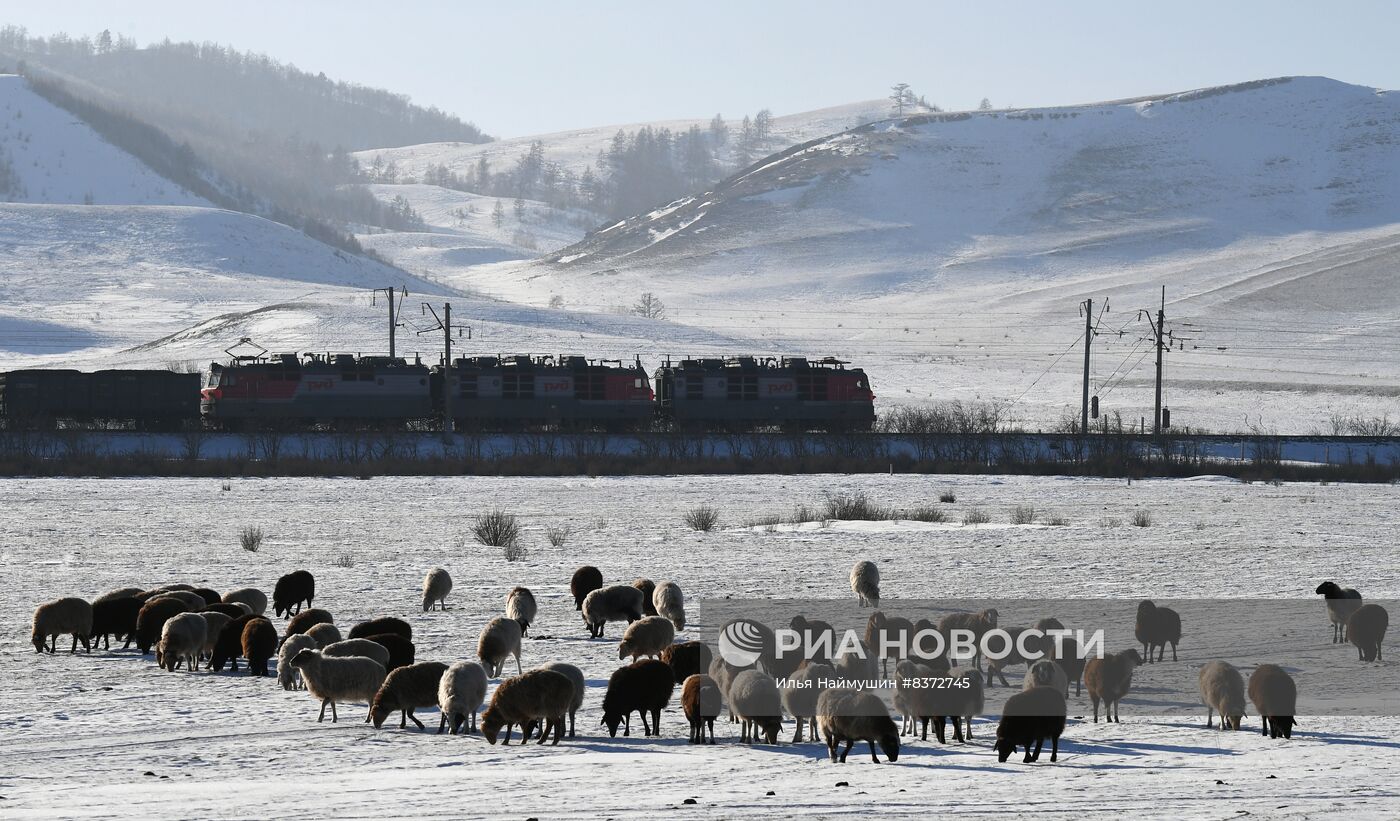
[
  {"x": 563, "y": 391},
  {"x": 333, "y": 389},
  {"x": 742, "y": 393},
  {"x": 144, "y": 399}
]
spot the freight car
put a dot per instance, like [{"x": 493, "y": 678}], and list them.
[
  {"x": 527, "y": 391},
  {"x": 330, "y": 390},
  {"x": 139, "y": 399},
  {"x": 745, "y": 392}
]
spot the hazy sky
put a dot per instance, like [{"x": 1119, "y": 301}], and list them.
[{"x": 516, "y": 67}]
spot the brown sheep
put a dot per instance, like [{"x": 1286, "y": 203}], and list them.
[
  {"x": 702, "y": 702},
  {"x": 1109, "y": 679},
  {"x": 1275, "y": 696},
  {"x": 259, "y": 641},
  {"x": 1366, "y": 628},
  {"x": 539, "y": 695},
  {"x": 687, "y": 658},
  {"x": 406, "y": 689},
  {"x": 586, "y": 579}
]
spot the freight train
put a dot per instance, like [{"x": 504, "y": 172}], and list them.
[{"x": 348, "y": 392}]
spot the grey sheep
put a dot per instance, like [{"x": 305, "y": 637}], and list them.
[
  {"x": 214, "y": 624},
  {"x": 646, "y": 637},
  {"x": 461, "y": 690},
  {"x": 287, "y": 675},
  {"x": 1109, "y": 679},
  {"x": 499, "y": 640},
  {"x": 436, "y": 585},
  {"x": 357, "y": 647},
  {"x": 62, "y": 617},
  {"x": 851, "y": 716},
  {"x": 865, "y": 583},
  {"x": 801, "y": 702},
  {"x": 406, "y": 689},
  {"x": 1275, "y": 697},
  {"x": 181, "y": 640},
  {"x": 330, "y": 679},
  {"x": 1156, "y": 627},
  {"x": 670, "y": 604},
  {"x": 857, "y": 664},
  {"x": 324, "y": 634},
  {"x": 754, "y": 698},
  {"x": 574, "y": 675},
  {"x": 255, "y": 599},
  {"x": 1341, "y": 603},
  {"x": 521, "y": 607},
  {"x": 913, "y": 697},
  {"x": 1047, "y": 673},
  {"x": 960, "y": 703},
  {"x": 975, "y": 623},
  {"x": 1222, "y": 691},
  {"x": 536, "y": 696},
  {"x": 618, "y": 602}
]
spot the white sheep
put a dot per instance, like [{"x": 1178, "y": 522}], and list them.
[
  {"x": 865, "y": 583},
  {"x": 1222, "y": 691},
  {"x": 521, "y": 607},
  {"x": 1046, "y": 673},
  {"x": 62, "y": 617},
  {"x": 646, "y": 637},
  {"x": 214, "y": 624},
  {"x": 358, "y": 647},
  {"x": 754, "y": 698},
  {"x": 181, "y": 639},
  {"x": 436, "y": 585},
  {"x": 618, "y": 602},
  {"x": 332, "y": 679},
  {"x": 287, "y": 675},
  {"x": 324, "y": 634},
  {"x": 670, "y": 603},
  {"x": 255, "y": 599},
  {"x": 460, "y": 694},
  {"x": 801, "y": 701},
  {"x": 499, "y": 640}
]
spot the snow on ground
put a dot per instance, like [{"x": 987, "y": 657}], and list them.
[
  {"x": 175, "y": 745},
  {"x": 59, "y": 159}
]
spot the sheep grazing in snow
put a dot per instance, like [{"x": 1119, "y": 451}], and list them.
[
  {"x": 1047, "y": 673},
  {"x": 376, "y": 627},
  {"x": 1027, "y": 719},
  {"x": 959, "y": 702},
  {"x": 688, "y": 658},
  {"x": 1341, "y": 603},
  {"x": 890, "y": 637},
  {"x": 1222, "y": 691},
  {"x": 1275, "y": 697},
  {"x": 209, "y": 596},
  {"x": 307, "y": 619},
  {"x": 913, "y": 697},
  {"x": 461, "y": 690},
  {"x": 324, "y": 634},
  {"x": 291, "y": 590},
  {"x": 1366, "y": 629},
  {"x": 1013, "y": 656},
  {"x": 865, "y": 583},
  {"x": 1156, "y": 627},
  {"x": 648, "y": 588},
  {"x": 330, "y": 679},
  {"x": 287, "y": 675},
  {"x": 521, "y": 607},
  {"x": 436, "y": 585},
  {"x": 754, "y": 698},
  {"x": 586, "y": 579},
  {"x": 214, "y": 624},
  {"x": 620, "y": 602},
  {"x": 193, "y": 601},
  {"x": 977, "y": 624},
  {"x": 641, "y": 687},
  {"x": 1070, "y": 656},
  {"x": 702, "y": 703},
  {"x": 114, "y": 617},
  {"x": 670, "y": 603},
  {"x": 259, "y": 645},
  {"x": 723, "y": 673},
  {"x": 857, "y": 663},
  {"x": 228, "y": 647},
  {"x": 358, "y": 647},
  {"x": 181, "y": 640},
  {"x": 1109, "y": 679},
  {"x": 647, "y": 637},
  {"x": 406, "y": 689},
  {"x": 499, "y": 640},
  {"x": 819, "y": 636},
  {"x": 119, "y": 593},
  {"x": 851, "y": 716},
  {"x": 800, "y": 702},
  {"x": 575, "y": 675},
  {"x": 536, "y": 696},
  {"x": 251, "y": 596},
  {"x": 401, "y": 650},
  {"x": 151, "y": 620}
]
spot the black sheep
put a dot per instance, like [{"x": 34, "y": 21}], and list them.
[
  {"x": 400, "y": 649},
  {"x": 307, "y": 619},
  {"x": 586, "y": 579},
  {"x": 378, "y": 627},
  {"x": 233, "y": 611},
  {"x": 688, "y": 658},
  {"x": 151, "y": 620},
  {"x": 1157, "y": 627},
  {"x": 293, "y": 589},
  {"x": 209, "y": 596},
  {"x": 642, "y": 687},
  {"x": 229, "y": 645},
  {"x": 115, "y": 617},
  {"x": 259, "y": 643},
  {"x": 1027, "y": 720}
]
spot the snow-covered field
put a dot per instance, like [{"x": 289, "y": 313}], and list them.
[{"x": 109, "y": 735}]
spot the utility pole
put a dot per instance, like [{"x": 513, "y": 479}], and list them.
[
  {"x": 444, "y": 324},
  {"x": 1161, "y": 326},
  {"x": 394, "y": 323},
  {"x": 1088, "y": 308}
]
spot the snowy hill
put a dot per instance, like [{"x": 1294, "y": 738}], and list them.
[{"x": 56, "y": 158}]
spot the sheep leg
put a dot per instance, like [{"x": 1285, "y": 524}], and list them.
[
  {"x": 830, "y": 745},
  {"x": 850, "y": 742},
  {"x": 873, "y": 756},
  {"x": 1173, "y": 651},
  {"x": 711, "y": 723},
  {"x": 940, "y": 725},
  {"x": 1210, "y": 713},
  {"x": 322, "y": 716},
  {"x": 442, "y": 724},
  {"x": 797, "y": 736},
  {"x": 1039, "y": 742},
  {"x": 655, "y": 721},
  {"x": 518, "y": 670},
  {"x": 571, "y": 723},
  {"x": 1095, "y": 699},
  {"x": 558, "y": 730},
  {"x": 1004, "y": 682},
  {"x": 415, "y": 720},
  {"x": 1054, "y": 748},
  {"x": 968, "y": 719},
  {"x": 627, "y": 724}
]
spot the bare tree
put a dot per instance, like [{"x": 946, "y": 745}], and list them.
[
  {"x": 985, "y": 105},
  {"x": 899, "y": 95},
  {"x": 650, "y": 306}
]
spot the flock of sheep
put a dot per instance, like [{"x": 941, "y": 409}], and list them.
[{"x": 375, "y": 664}]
